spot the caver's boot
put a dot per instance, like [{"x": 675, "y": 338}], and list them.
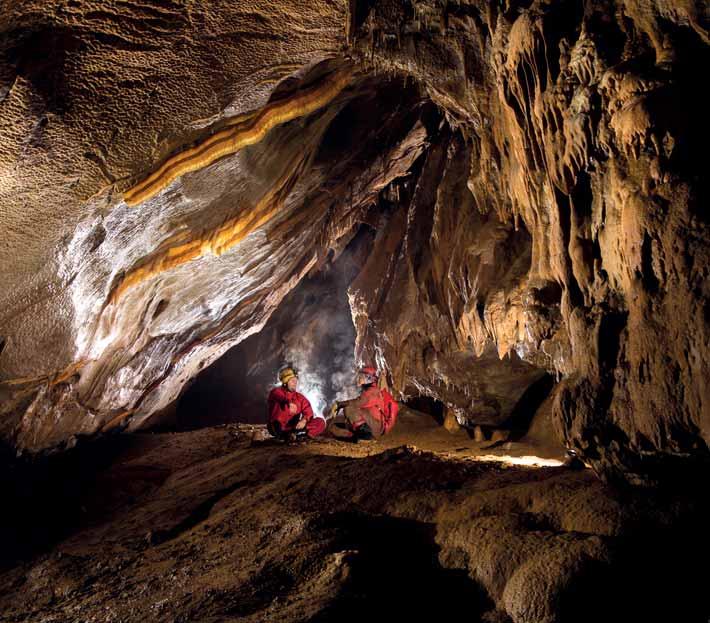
[
  {"x": 301, "y": 435},
  {"x": 295, "y": 436}
]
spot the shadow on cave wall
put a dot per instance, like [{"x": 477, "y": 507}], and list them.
[{"x": 311, "y": 330}]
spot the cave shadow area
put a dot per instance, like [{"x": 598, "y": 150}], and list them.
[
  {"x": 655, "y": 575},
  {"x": 395, "y": 574},
  {"x": 50, "y": 496}
]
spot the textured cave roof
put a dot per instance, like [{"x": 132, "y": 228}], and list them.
[{"x": 534, "y": 172}]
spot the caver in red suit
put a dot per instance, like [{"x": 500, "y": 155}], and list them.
[
  {"x": 374, "y": 407},
  {"x": 283, "y": 418}
]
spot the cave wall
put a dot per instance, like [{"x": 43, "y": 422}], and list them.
[
  {"x": 92, "y": 94},
  {"x": 547, "y": 216},
  {"x": 583, "y": 127},
  {"x": 439, "y": 302},
  {"x": 141, "y": 298}
]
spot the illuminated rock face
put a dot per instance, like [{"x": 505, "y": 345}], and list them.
[
  {"x": 311, "y": 331},
  {"x": 534, "y": 176}
]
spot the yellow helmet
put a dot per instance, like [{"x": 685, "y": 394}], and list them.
[{"x": 286, "y": 375}]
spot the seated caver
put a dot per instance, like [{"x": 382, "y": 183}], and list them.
[
  {"x": 290, "y": 415},
  {"x": 374, "y": 412}
]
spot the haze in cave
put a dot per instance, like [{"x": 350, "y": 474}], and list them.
[{"x": 488, "y": 214}]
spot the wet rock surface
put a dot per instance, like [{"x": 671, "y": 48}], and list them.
[
  {"x": 534, "y": 172},
  {"x": 217, "y": 524}
]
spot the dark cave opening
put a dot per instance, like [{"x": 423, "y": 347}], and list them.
[
  {"x": 429, "y": 405},
  {"x": 524, "y": 412},
  {"x": 311, "y": 330}
]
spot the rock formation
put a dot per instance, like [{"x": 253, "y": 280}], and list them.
[
  {"x": 533, "y": 171},
  {"x": 210, "y": 525}
]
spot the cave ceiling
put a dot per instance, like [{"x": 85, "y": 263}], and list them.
[{"x": 533, "y": 174}]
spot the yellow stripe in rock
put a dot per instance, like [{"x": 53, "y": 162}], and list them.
[{"x": 242, "y": 132}]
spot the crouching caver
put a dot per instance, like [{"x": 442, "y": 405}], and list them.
[
  {"x": 373, "y": 413},
  {"x": 290, "y": 415}
]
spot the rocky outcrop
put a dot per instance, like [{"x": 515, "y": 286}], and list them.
[
  {"x": 215, "y": 525},
  {"x": 533, "y": 171},
  {"x": 582, "y": 129}
]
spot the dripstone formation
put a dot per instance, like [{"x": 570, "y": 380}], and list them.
[{"x": 533, "y": 174}]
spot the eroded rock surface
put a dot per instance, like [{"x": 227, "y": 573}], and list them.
[
  {"x": 209, "y": 525},
  {"x": 534, "y": 172}
]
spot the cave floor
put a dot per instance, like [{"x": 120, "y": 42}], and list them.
[{"x": 215, "y": 525}]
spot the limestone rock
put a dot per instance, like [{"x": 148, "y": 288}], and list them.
[
  {"x": 451, "y": 424},
  {"x": 499, "y": 435},
  {"x": 534, "y": 175}
]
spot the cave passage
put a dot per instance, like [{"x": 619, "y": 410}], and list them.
[
  {"x": 501, "y": 206},
  {"x": 426, "y": 404},
  {"x": 312, "y": 331}
]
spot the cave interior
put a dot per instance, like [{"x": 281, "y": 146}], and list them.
[{"x": 496, "y": 204}]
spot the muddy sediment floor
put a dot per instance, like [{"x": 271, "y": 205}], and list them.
[{"x": 217, "y": 525}]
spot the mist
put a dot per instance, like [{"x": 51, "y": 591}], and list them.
[{"x": 311, "y": 331}]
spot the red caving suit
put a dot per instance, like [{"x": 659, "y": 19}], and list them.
[
  {"x": 375, "y": 407},
  {"x": 282, "y": 420}
]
